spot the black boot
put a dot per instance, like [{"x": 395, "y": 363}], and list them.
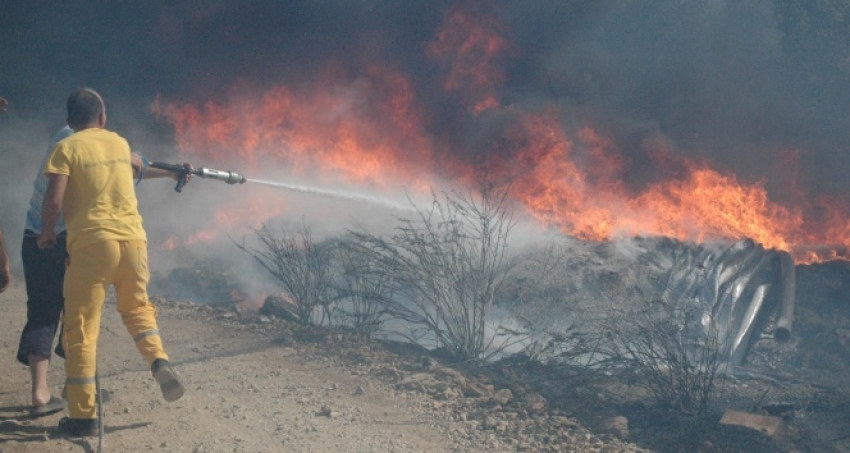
[
  {"x": 168, "y": 380},
  {"x": 78, "y": 427}
]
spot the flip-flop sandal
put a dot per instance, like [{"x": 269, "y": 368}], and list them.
[{"x": 55, "y": 404}]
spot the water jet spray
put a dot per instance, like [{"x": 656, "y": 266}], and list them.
[
  {"x": 231, "y": 177},
  {"x": 334, "y": 194}
]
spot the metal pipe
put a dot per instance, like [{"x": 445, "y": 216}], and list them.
[
  {"x": 739, "y": 315},
  {"x": 740, "y": 341},
  {"x": 788, "y": 276}
]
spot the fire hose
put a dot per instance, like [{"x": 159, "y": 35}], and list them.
[{"x": 230, "y": 177}]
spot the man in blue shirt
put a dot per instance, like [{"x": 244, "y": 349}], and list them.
[{"x": 44, "y": 273}]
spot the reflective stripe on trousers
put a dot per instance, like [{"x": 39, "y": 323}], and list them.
[{"x": 91, "y": 271}]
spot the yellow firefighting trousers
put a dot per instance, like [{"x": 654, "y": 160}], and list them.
[{"x": 90, "y": 272}]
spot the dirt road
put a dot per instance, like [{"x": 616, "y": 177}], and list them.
[{"x": 247, "y": 391}]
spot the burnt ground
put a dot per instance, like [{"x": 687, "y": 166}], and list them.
[
  {"x": 262, "y": 384},
  {"x": 802, "y": 381}
]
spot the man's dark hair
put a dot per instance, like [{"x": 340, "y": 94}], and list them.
[{"x": 84, "y": 107}]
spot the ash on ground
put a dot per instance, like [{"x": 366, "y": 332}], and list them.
[{"x": 802, "y": 381}]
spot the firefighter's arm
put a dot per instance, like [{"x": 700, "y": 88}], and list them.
[{"x": 143, "y": 170}]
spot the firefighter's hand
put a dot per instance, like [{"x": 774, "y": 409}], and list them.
[
  {"x": 46, "y": 240},
  {"x": 184, "y": 176},
  {"x": 3, "y": 104},
  {"x": 187, "y": 175}
]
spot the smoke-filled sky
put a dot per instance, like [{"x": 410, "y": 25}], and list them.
[{"x": 760, "y": 89}]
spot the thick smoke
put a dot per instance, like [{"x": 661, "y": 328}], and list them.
[{"x": 758, "y": 88}]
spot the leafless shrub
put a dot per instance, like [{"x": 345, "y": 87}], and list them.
[
  {"x": 301, "y": 265},
  {"x": 676, "y": 366},
  {"x": 444, "y": 267},
  {"x": 665, "y": 343},
  {"x": 540, "y": 294},
  {"x": 361, "y": 286}
]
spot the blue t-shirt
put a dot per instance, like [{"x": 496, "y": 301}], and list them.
[{"x": 34, "y": 222}]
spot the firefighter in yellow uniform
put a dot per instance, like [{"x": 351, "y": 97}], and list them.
[{"x": 91, "y": 182}]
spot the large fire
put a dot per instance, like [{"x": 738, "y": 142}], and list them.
[
  {"x": 369, "y": 131},
  {"x": 468, "y": 46}
]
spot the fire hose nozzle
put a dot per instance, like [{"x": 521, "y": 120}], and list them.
[{"x": 230, "y": 177}]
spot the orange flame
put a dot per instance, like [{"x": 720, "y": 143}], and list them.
[
  {"x": 468, "y": 44},
  {"x": 365, "y": 132},
  {"x": 702, "y": 204},
  {"x": 368, "y": 130},
  {"x": 356, "y": 130}
]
